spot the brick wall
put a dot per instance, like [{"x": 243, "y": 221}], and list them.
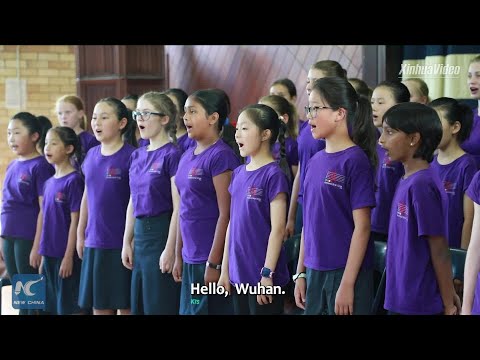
[{"x": 49, "y": 72}]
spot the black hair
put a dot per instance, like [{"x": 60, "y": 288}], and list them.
[
  {"x": 455, "y": 111},
  {"x": 129, "y": 135},
  {"x": 339, "y": 93},
  {"x": 283, "y": 106},
  {"x": 34, "y": 125},
  {"x": 330, "y": 68},
  {"x": 181, "y": 97},
  {"x": 292, "y": 90},
  {"x": 121, "y": 112},
  {"x": 361, "y": 88},
  {"x": 410, "y": 118},
  {"x": 46, "y": 125},
  {"x": 399, "y": 91},
  {"x": 69, "y": 137},
  {"x": 214, "y": 100},
  {"x": 264, "y": 117}
]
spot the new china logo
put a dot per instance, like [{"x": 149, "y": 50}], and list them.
[{"x": 28, "y": 291}]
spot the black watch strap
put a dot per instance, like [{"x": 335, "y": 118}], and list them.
[{"x": 214, "y": 266}]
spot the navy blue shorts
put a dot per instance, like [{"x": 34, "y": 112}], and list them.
[
  {"x": 152, "y": 292},
  {"x": 104, "y": 281},
  {"x": 61, "y": 294},
  {"x": 322, "y": 287}
]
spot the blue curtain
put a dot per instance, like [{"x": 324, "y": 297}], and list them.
[{"x": 443, "y": 67}]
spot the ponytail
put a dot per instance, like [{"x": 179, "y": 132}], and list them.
[
  {"x": 45, "y": 125},
  {"x": 363, "y": 131},
  {"x": 130, "y": 129},
  {"x": 283, "y": 156}
]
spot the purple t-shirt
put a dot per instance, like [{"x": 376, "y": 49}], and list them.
[
  {"x": 250, "y": 226},
  {"x": 291, "y": 152},
  {"x": 301, "y": 123},
  {"x": 307, "y": 147},
  {"x": 143, "y": 142},
  {"x": 472, "y": 144},
  {"x": 184, "y": 142},
  {"x": 150, "y": 174},
  {"x": 24, "y": 183},
  {"x": 455, "y": 178},
  {"x": 473, "y": 193},
  {"x": 418, "y": 211},
  {"x": 388, "y": 174},
  {"x": 62, "y": 196},
  {"x": 108, "y": 193},
  {"x": 198, "y": 199},
  {"x": 335, "y": 185},
  {"x": 87, "y": 141}
]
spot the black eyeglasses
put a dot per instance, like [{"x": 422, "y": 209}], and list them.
[
  {"x": 312, "y": 110},
  {"x": 145, "y": 114}
]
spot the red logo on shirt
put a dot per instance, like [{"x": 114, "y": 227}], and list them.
[
  {"x": 25, "y": 178},
  {"x": 155, "y": 168},
  {"x": 114, "y": 173},
  {"x": 254, "y": 193},
  {"x": 388, "y": 163},
  {"x": 334, "y": 179},
  {"x": 449, "y": 187},
  {"x": 402, "y": 211},
  {"x": 60, "y": 197},
  {"x": 195, "y": 174}
]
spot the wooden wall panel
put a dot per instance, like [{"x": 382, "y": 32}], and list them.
[
  {"x": 145, "y": 60},
  {"x": 92, "y": 91},
  {"x": 246, "y": 72},
  {"x": 118, "y": 70},
  {"x": 94, "y": 60}
]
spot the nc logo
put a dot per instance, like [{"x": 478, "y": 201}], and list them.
[
  {"x": 26, "y": 287},
  {"x": 29, "y": 291}
]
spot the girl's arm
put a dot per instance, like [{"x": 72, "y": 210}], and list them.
[
  {"x": 66, "y": 267},
  {"x": 127, "y": 251},
  {"x": 442, "y": 265},
  {"x": 292, "y": 211},
  {"x": 356, "y": 254},
  {"x": 167, "y": 259},
  {"x": 472, "y": 264},
  {"x": 220, "y": 182},
  {"x": 178, "y": 265},
  {"x": 301, "y": 282},
  {"x": 467, "y": 221},
  {"x": 35, "y": 257},
  {"x": 294, "y": 169},
  {"x": 82, "y": 224},
  {"x": 224, "y": 279},
  {"x": 278, "y": 211}
]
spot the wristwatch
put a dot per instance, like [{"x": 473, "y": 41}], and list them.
[
  {"x": 298, "y": 276},
  {"x": 266, "y": 272},
  {"x": 214, "y": 266}
]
